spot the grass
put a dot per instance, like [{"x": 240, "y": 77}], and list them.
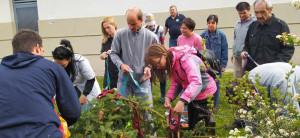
[{"x": 223, "y": 116}]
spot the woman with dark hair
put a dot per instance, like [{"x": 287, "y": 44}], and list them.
[
  {"x": 79, "y": 70},
  {"x": 188, "y": 37},
  {"x": 108, "y": 28},
  {"x": 215, "y": 40},
  {"x": 188, "y": 73}
]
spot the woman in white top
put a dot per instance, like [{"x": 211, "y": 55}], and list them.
[{"x": 79, "y": 70}]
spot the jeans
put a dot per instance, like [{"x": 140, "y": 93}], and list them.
[
  {"x": 172, "y": 41},
  {"x": 132, "y": 89},
  {"x": 85, "y": 106},
  {"x": 217, "y": 93},
  {"x": 162, "y": 84}
]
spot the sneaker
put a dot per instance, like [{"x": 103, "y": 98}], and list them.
[
  {"x": 233, "y": 126},
  {"x": 162, "y": 99}
]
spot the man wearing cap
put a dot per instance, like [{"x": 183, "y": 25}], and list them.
[
  {"x": 153, "y": 27},
  {"x": 159, "y": 31},
  {"x": 173, "y": 24}
]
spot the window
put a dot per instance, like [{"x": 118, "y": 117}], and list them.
[{"x": 26, "y": 14}]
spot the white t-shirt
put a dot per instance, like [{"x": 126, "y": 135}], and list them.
[{"x": 84, "y": 73}]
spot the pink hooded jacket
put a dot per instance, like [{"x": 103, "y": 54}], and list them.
[{"x": 186, "y": 75}]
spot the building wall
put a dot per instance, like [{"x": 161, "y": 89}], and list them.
[
  {"x": 7, "y": 27},
  {"x": 95, "y": 8},
  {"x": 84, "y": 32}
]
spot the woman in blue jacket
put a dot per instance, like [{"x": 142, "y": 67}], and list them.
[{"x": 216, "y": 41}]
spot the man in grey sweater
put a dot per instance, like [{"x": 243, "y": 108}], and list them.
[
  {"x": 128, "y": 50},
  {"x": 240, "y": 31}
]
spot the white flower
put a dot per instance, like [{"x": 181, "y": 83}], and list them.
[
  {"x": 269, "y": 122},
  {"x": 246, "y": 94},
  {"x": 242, "y": 111},
  {"x": 236, "y": 131},
  {"x": 279, "y": 118},
  {"x": 278, "y": 110},
  {"x": 249, "y": 103},
  {"x": 281, "y": 131},
  {"x": 296, "y": 3},
  {"x": 286, "y": 134},
  {"x": 278, "y": 36},
  {"x": 248, "y": 129},
  {"x": 292, "y": 133},
  {"x": 296, "y": 97},
  {"x": 231, "y": 132}
]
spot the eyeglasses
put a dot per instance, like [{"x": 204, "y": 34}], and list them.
[{"x": 157, "y": 64}]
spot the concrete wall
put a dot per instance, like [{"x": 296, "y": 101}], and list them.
[
  {"x": 85, "y": 32},
  {"x": 58, "y": 9},
  {"x": 7, "y": 27}
]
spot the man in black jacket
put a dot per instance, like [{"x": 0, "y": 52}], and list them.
[{"x": 261, "y": 42}]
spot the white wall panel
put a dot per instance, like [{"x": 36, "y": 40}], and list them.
[{"x": 60, "y": 9}]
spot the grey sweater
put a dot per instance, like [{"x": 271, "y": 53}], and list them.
[
  {"x": 129, "y": 48},
  {"x": 273, "y": 75},
  {"x": 240, "y": 32}
]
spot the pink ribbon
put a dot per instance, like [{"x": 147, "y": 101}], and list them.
[
  {"x": 104, "y": 93},
  {"x": 172, "y": 127}
]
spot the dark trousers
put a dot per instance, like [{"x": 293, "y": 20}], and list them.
[
  {"x": 163, "y": 85},
  {"x": 198, "y": 110}
]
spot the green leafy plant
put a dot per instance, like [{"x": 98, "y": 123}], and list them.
[
  {"x": 266, "y": 116},
  {"x": 112, "y": 116}
]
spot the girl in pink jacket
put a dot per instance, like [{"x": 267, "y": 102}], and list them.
[{"x": 188, "y": 72}]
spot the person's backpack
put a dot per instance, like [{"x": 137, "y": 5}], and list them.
[
  {"x": 212, "y": 64},
  {"x": 157, "y": 28}
]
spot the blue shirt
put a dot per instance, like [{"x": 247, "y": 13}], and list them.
[
  {"x": 217, "y": 42},
  {"x": 174, "y": 25}
]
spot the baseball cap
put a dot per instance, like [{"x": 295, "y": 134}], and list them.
[{"x": 150, "y": 19}]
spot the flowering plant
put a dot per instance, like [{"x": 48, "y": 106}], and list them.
[
  {"x": 265, "y": 116},
  {"x": 296, "y": 3},
  {"x": 289, "y": 39}
]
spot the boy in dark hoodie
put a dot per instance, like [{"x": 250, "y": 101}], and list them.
[{"x": 28, "y": 83}]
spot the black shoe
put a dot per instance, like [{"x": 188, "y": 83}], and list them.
[{"x": 233, "y": 126}]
